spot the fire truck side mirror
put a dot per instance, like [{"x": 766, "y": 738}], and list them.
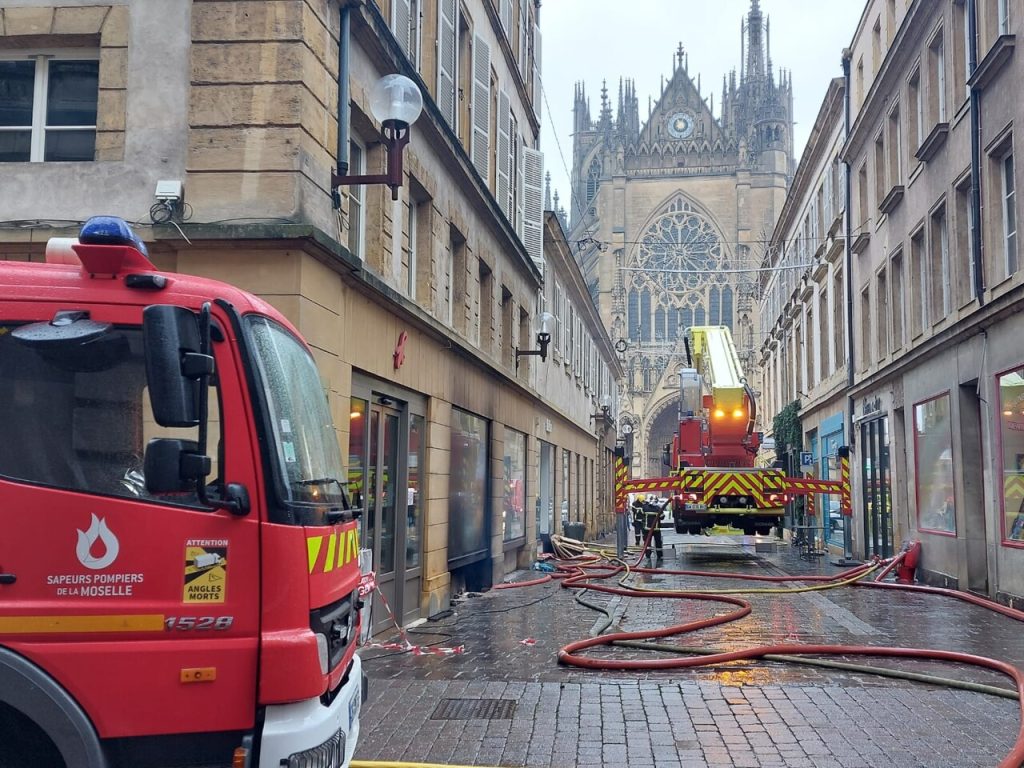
[
  {"x": 173, "y": 466},
  {"x": 175, "y": 364}
]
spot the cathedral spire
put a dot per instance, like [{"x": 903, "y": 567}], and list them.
[{"x": 547, "y": 191}]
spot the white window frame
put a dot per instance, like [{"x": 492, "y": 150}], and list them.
[
  {"x": 413, "y": 224},
  {"x": 1009, "y": 209},
  {"x": 940, "y": 63},
  {"x": 40, "y": 96},
  {"x": 357, "y": 199},
  {"x": 1003, "y": 16}
]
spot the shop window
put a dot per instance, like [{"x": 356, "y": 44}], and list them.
[
  {"x": 513, "y": 509},
  {"x": 933, "y": 457},
  {"x": 357, "y": 460},
  {"x": 48, "y": 107},
  {"x": 414, "y": 491},
  {"x": 1011, "y": 440},
  {"x": 565, "y": 486},
  {"x": 467, "y": 489}
]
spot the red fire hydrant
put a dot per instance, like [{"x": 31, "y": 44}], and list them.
[{"x": 905, "y": 570}]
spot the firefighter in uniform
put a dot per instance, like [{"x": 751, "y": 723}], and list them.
[
  {"x": 639, "y": 520},
  {"x": 652, "y": 512}
]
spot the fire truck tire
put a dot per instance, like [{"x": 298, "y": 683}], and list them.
[
  {"x": 680, "y": 528},
  {"x": 763, "y": 530},
  {"x": 56, "y": 723}
]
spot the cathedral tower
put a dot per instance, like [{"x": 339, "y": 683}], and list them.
[{"x": 672, "y": 215}]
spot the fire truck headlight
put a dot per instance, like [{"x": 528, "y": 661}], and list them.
[
  {"x": 738, "y": 413},
  {"x": 719, "y": 413},
  {"x": 322, "y": 653}
]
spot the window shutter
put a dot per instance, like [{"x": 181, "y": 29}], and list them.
[
  {"x": 533, "y": 205},
  {"x": 504, "y": 153},
  {"x": 446, "y": 10},
  {"x": 479, "y": 147},
  {"x": 524, "y": 49},
  {"x": 400, "y": 13},
  {"x": 520, "y": 184},
  {"x": 505, "y": 12},
  {"x": 538, "y": 95}
]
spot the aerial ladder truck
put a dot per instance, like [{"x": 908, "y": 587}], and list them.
[{"x": 711, "y": 458}]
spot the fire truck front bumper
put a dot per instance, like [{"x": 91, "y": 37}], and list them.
[{"x": 311, "y": 733}]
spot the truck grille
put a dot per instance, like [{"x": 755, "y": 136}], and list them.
[
  {"x": 330, "y": 754},
  {"x": 334, "y": 622}
]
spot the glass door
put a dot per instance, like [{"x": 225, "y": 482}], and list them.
[
  {"x": 875, "y": 482},
  {"x": 386, "y": 478}
]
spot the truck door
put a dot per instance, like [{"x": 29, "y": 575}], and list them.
[{"x": 143, "y": 607}]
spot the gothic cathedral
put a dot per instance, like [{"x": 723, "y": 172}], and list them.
[{"x": 670, "y": 219}]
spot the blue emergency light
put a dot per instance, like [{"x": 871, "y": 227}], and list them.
[{"x": 110, "y": 230}]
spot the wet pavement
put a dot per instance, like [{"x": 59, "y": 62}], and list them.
[{"x": 506, "y": 701}]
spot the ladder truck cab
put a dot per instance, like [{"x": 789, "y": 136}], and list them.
[
  {"x": 714, "y": 449},
  {"x": 179, "y": 567}
]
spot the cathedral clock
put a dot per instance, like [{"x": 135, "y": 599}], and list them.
[{"x": 680, "y": 125}]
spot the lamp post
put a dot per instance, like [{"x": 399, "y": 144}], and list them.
[
  {"x": 396, "y": 102},
  {"x": 547, "y": 325}
]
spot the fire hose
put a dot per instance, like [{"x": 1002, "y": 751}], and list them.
[{"x": 582, "y": 573}]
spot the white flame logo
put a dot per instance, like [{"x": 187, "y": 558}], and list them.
[{"x": 98, "y": 530}]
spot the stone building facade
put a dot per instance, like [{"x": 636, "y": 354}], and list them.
[
  {"x": 935, "y": 374},
  {"x": 670, "y": 217},
  {"x": 415, "y": 308},
  {"x": 803, "y": 323}
]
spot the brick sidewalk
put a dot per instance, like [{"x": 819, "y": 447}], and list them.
[{"x": 743, "y": 714}]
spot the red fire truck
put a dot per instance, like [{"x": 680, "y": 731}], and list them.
[
  {"x": 713, "y": 451},
  {"x": 179, "y": 563}
]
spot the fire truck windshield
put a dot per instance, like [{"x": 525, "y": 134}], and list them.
[{"x": 307, "y": 459}]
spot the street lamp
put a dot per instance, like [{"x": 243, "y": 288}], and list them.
[
  {"x": 396, "y": 102},
  {"x": 547, "y": 324},
  {"x": 602, "y": 415}
]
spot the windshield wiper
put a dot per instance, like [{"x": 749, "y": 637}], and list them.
[{"x": 318, "y": 481}]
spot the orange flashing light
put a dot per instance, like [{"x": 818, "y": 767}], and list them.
[
  {"x": 719, "y": 413},
  {"x": 738, "y": 413},
  {"x": 240, "y": 758},
  {"x": 199, "y": 675}
]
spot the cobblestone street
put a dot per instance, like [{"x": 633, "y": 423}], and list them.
[{"x": 740, "y": 714}]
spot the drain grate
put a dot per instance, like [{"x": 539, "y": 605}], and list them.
[{"x": 474, "y": 709}]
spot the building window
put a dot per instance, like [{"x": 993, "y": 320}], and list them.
[
  {"x": 457, "y": 282},
  {"x": 915, "y": 112},
  {"x": 933, "y": 459},
  {"x": 823, "y": 317},
  {"x": 862, "y": 198},
  {"x": 882, "y": 314},
  {"x": 1011, "y": 443},
  {"x": 895, "y": 147},
  {"x": 876, "y": 46},
  {"x": 513, "y": 507},
  {"x": 1003, "y": 16},
  {"x": 896, "y": 285},
  {"x": 865, "y": 329},
  {"x": 1009, "y": 213},
  {"x": 963, "y": 229},
  {"x": 486, "y": 305},
  {"x": 961, "y": 46},
  {"x": 356, "y": 200},
  {"x": 593, "y": 177},
  {"x": 880, "y": 187},
  {"x": 939, "y": 266},
  {"x": 937, "y": 82},
  {"x": 48, "y": 107},
  {"x": 838, "y": 317},
  {"x": 919, "y": 278}
]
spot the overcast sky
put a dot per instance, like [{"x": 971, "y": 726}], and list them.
[{"x": 591, "y": 40}]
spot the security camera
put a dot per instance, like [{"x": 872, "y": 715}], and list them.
[{"x": 169, "y": 191}]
